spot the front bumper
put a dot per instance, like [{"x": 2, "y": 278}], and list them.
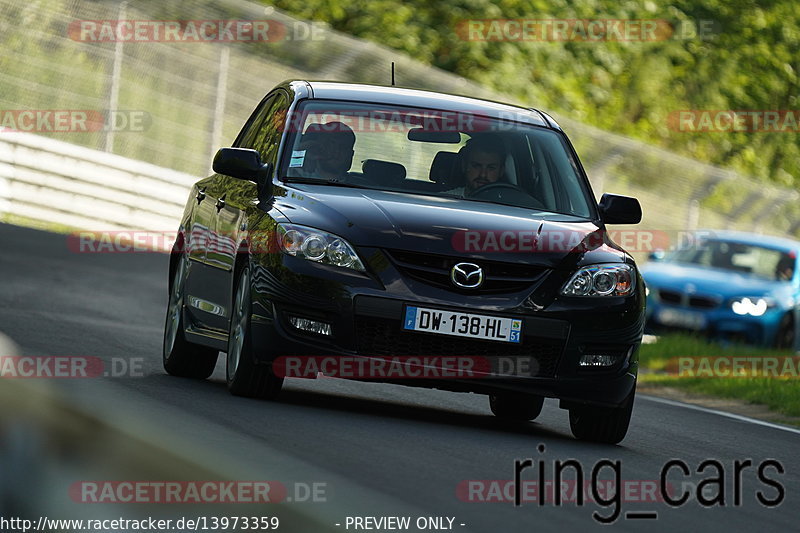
[
  {"x": 720, "y": 323},
  {"x": 366, "y": 318}
]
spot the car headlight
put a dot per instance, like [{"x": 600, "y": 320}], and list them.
[
  {"x": 601, "y": 280},
  {"x": 317, "y": 245},
  {"x": 751, "y": 305}
]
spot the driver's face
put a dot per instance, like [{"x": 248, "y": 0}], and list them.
[{"x": 482, "y": 168}]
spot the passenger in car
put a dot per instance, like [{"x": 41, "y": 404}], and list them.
[
  {"x": 784, "y": 271},
  {"x": 483, "y": 162},
  {"x": 328, "y": 151}
]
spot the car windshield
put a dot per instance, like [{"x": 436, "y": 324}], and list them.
[
  {"x": 767, "y": 263},
  {"x": 438, "y": 153}
]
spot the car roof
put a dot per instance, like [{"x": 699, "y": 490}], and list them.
[
  {"x": 769, "y": 241},
  {"x": 418, "y": 98}
]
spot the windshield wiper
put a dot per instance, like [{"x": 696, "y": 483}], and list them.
[{"x": 321, "y": 181}]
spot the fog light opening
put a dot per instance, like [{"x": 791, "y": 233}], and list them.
[
  {"x": 598, "y": 360},
  {"x": 311, "y": 326}
]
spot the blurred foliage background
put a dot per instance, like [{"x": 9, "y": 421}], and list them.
[
  {"x": 749, "y": 60},
  {"x": 614, "y": 99}
]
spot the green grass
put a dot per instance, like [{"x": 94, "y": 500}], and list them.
[
  {"x": 17, "y": 220},
  {"x": 781, "y": 395}
]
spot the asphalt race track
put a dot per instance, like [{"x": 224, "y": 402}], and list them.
[{"x": 380, "y": 450}]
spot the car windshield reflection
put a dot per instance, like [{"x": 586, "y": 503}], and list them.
[{"x": 437, "y": 153}]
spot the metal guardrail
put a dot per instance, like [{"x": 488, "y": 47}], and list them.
[{"x": 63, "y": 183}]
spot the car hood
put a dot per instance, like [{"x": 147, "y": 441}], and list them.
[
  {"x": 725, "y": 283},
  {"x": 448, "y": 226}
]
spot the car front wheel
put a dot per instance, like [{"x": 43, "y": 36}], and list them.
[
  {"x": 602, "y": 424},
  {"x": 243, "y": 375}
]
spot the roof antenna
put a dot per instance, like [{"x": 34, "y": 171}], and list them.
[{"x": 392, "y": 73}]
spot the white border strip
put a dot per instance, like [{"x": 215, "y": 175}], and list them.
[{"x": 720, "y": 413}]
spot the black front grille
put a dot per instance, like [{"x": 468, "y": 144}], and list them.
[
  {"x": 671, "y": 297},
  {"x": 703, "y": 302},
  {"x": 693, "y": 300},
  {"x": 435, "y": 269},
  {"x": 379, "y": 336}
]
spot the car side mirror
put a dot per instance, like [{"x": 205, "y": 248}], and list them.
[
  {"x": 241, "y": 163},
  {"x": 617, "y": 209},
  {"x": 656, "y": 255}
]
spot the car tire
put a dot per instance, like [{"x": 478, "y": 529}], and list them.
[
  {"x": 516, "y": 407},
  {"x": 602, "y": 424},
  {"x": 180, "y": 357},
  {"x": 784, "y": 339},
  {"x": 243, "y": 375}
]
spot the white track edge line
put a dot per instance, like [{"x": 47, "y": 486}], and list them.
[{"x": 720, "y": 413}]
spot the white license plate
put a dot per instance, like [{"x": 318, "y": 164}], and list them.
[
  {"x": 682, "y": 319},
  {"x": 463, "y": 324}
]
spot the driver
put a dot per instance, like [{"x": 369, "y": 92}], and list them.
[
  {"x": 483, "y": 163},
  {"x": 328, "y": 150},
  {"x": 784, "y": 271}
]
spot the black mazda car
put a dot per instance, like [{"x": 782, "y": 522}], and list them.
[{"x": 410, "y": 237}]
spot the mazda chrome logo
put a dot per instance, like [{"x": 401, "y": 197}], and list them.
[{"x": 466, "y": 275}]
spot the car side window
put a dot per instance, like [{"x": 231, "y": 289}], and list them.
[
  {"x": 269, "y": 130},
  {"x": 250, "y": 129}
]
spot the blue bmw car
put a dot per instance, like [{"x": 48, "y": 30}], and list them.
[{"x": 730, "y": 286}]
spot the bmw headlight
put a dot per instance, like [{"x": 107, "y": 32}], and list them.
[
  {"x": 752, "y": 305},
  {"x": 317, "y": 245},
  {"x": 601, "y": 280}
]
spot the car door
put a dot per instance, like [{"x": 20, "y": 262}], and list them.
[
  {"x": 198, "y": 232},
  {"x": 200, "y": 236},
  {"x": 238, "y": 202}
]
